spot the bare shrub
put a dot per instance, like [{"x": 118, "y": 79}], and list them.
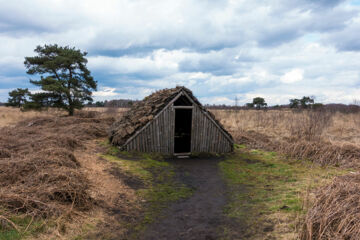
[
  {"x": 310, "y": 125},
  {"x": 336, "y": 211}
]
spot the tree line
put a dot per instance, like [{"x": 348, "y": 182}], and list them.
[{"x": 305, "y": 102}]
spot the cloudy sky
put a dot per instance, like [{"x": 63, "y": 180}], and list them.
[{"x": 220, "y": 49}]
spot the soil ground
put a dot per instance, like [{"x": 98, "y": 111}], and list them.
[{"x": 200, "y": 216}]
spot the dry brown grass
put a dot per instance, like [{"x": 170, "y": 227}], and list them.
[
  {"x": 337, "y": 128},
  {"x": 323, "y": 137},
  {"x": 336, "y": 211},
  {"x": 10, "y": 116},
  {"x": 50, "y": 169},
  {"x": 39, "y": 174}
]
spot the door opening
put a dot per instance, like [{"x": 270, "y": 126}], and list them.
[{"x": 183, "y": 122}]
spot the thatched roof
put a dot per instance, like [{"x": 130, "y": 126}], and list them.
[{"x": 144, "y": 111}]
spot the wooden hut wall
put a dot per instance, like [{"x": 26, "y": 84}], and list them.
[
  {"x": 158, "y": 136},
  {"x": 206, "y": 136}
]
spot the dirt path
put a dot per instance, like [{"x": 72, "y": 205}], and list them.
[{"x": 200, "y": 216}]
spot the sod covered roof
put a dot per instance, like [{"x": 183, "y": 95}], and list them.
[{"x": 144, "y": 111}]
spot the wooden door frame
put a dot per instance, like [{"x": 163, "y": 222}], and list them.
[{"x": 191, "y": 132}]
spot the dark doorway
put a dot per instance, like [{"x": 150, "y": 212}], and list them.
[{"x": 183, "y": 121}]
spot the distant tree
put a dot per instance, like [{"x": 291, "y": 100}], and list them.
[
  {"x": 250, "y": 105},
  {"x": 294, "y": 103},
  {"x": 18, "y": 97},
  {"x": 259, "y": 102},
  {"x": 304, "y": 102},
  {"x": 317, "y": 106},
  {"x": 40, "y": 100},
  {"x": 64, "y": 78},
  {"x": 99, "y": 104}
]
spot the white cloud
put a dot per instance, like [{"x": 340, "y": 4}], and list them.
[
  {"x": 293, "y": 76},
  {"x": 106, "y": 92}
]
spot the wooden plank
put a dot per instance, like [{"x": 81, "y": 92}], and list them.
[
  {"x": 132, "y": 147},
  {"x": 202, "y": 128},
  {"x": 217, "y": 141},
  {"x": 141, "y": 143},
  {"x": 157, "y": 135},
  {"x": 168, "y": 131},
  {"x": 137, "y": 144},
  {"x": 222, "y": 145},
  {"x": 208, "y": 136},
  {"x": 212, "y": 138},
  {"x": 220, "y": 142},
  {"x": 193, "y": 134},
  {"x": 140, "y": 138},
  {"x": 165, "y": 134},
  {"x": 134, "y": 144},
  {"x": 148, "y": 142},
  {"x": 162, "y": 132},
  {"x": 160, "y": 135},
  {"x": 204, "y": 140},
  {"x": 183, "y": 107},
  {"x": 193, "y": 131},
  {"x": 154, "y": 130},
  {"x": 144, "y": 137},
  {"x": 151, "y": 144},
  {"x": 144, "y": 140},
  {"x": 198, "y": 137}
]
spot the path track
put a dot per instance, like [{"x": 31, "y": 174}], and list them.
[{"x": 200, "y": 216}]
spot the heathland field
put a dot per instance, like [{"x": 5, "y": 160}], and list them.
[{"x": 293, "y": 175}]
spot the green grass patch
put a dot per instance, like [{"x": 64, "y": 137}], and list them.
[
  {"x": 264, "y": 183},
  {"x": 158, "y": 176},
  {"x": 26, "y": 227}
]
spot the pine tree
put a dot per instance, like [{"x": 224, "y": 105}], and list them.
[
  {"x": 65, "y": 80},
  {"x": 18, "y": 97}
]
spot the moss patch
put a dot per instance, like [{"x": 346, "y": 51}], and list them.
[{"x": 272, "y": 187}]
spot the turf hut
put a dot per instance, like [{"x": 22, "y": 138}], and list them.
[{"x": 170, "y": 121}]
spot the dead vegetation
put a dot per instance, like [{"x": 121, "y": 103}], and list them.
[
  {"x": 10, "y": 116},
  {"x": 336, "y": 211},
  {"x": 311, "y": 135},
  {"x": 323, "y": 153},
  {"x": 39, "y": 174}
]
